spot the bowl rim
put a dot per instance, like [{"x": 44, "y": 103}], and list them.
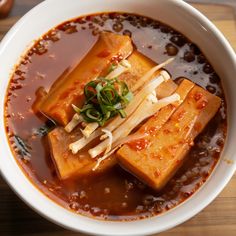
[{"x": 85, "y": 228}]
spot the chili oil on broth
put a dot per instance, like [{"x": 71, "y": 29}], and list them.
[{"x": 114, "y": 195}]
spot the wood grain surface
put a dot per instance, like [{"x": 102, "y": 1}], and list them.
[{"x": 218, "y": 219}]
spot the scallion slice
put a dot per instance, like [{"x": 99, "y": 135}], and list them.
[{"x": 104, "y": 99}]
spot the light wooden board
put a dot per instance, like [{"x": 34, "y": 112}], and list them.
[{"x": 218, "y": 219}]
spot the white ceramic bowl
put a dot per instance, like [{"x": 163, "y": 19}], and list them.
[{"x": 175, "y": 13}]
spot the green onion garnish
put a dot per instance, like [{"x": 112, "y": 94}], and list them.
[{"x": 104, "y": 99}]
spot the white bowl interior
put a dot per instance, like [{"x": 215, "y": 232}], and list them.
[{"x": 174, "y": 13}]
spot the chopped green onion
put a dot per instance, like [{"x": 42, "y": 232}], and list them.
[
  {"x": 76, "y": 109},
  {"x": 89, "y": 90},
  {"x": 104, "y": 99},
  {"x": 122, "y": 113},
  {"x": 93, "y": 115}
]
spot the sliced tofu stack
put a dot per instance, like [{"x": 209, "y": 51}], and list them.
[
  {"x": 170, "y": 139},
  {"x": 69, "y": 90},
  {"x": 67, "y": 164}
]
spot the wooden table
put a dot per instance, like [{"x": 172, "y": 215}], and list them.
[{"x": 218, "y": 219}]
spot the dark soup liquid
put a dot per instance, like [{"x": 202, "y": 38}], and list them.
[{"x": 116, "y": 194}]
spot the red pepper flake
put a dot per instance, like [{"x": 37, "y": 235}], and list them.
[
  {"x": 198, "y": 126},
  {"x": 187, "y": 128},
  {"x": 198, "y": 96},
  {"x": 157, "y": 173},
  {"x": 170, "y": 106},
  {"x": 66, "y": 93},
  {"x": 104, "y": 53},
  {"x": 139, "y": 144},
  {"x": 77, "y": 82},
  {"x": 178, "y": 162},
  {"x": 172, "y": 150},
  {"x": 156, "y": 156},
  {"x": 96, "y": 70},
  {"x": 180, "y": 114},
  {"x": 166, "y": 131},
  {"x": 202, "y": 104},
  {"x": 152, "y": 130},
  {"x": 82, "y": 85}
]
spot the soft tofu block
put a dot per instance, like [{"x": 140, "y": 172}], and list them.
[
  {"x": 164, "y": 151},
  {"x": 72, "y": 165},
  {"x": 69, "y": 90}
]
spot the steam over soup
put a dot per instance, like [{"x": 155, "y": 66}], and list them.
[{"x": 116, "y": 116}]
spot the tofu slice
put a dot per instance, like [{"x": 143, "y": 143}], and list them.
[
  {"x": 69, "y": 165},
  {"x": 169, "y": 142},
  {"x": 69, "y": 90}
]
